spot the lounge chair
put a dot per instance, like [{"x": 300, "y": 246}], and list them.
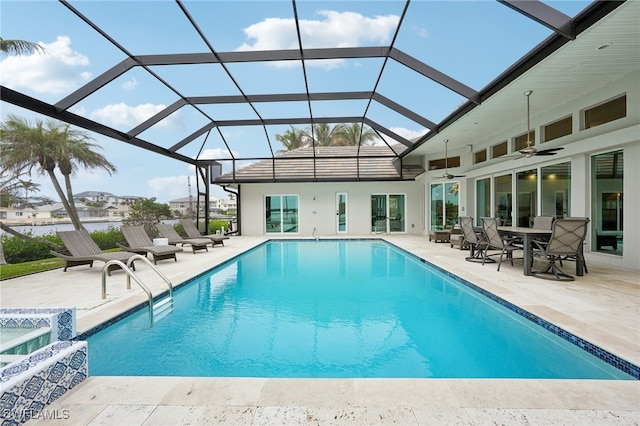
[
  {"x": 84, "y": 251},
  {"x": 192, "y": 232},
  {"x": 169, "y": 232},
  {"x": 566, "y": 241},
  {"x": 139, "y": 242}
]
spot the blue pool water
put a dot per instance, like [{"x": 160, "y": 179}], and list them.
[{"x": 336, "y": 309}]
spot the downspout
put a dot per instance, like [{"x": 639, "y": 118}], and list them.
[{"x": 237, "y": 195}]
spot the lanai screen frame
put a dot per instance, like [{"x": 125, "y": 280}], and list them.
[{"x": 564, "y": 29}]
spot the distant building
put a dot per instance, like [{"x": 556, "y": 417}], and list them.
[
  {"x": 16, "y": 214},
  {"x": 96, "y": 197},
  {"x": 217, "y": 206}
]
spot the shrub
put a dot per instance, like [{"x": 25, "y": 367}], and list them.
[
  {"x": 108, "y": 238},
  {"x": 215, "y": 225},
  {"x": 17, "y": 250}
]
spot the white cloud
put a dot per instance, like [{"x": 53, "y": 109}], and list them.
[
  {"x": 405, "y": 133},
  {"x": 169, "y": 188},
  {"x": 334, "y": 29},
  {"x": 130, "y": 84},
  {"x": 57, "y": 70},
  {"x": 215, "y": 153},
  {"x": 409, "y": 134},
  {"x": 123, "y": 114}
]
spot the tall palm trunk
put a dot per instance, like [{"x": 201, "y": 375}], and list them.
[
  {"x": 72, "y": 203},
  {"x": 71, "y": 211}
]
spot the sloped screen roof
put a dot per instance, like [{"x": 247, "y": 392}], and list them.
[{"x": 223, "y": 78}]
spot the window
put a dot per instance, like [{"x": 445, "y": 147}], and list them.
[
  {"x": 444, "y": 205},
  {"x": 520, "y": 142},
  {"x": 281, "y": 214},
  {"x": 605, "y": 112},
  {"x": 556, "y": 190},
  {"x": 480, "y": 156},
  {"x": 502, "y": 199},
  {"x": 607, "y": 196},
  {"x": 526, "y": 188},
  {"x": 440, "y": 163},
  {"x": 499, "y": 150},
  {"x": 558, "y": 129},
  {"x": 483, "y": 197}
]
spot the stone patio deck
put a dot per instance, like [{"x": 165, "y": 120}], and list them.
[{"x": 602, "y": 307}]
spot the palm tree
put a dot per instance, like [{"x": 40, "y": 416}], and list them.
[
  {"x": 76, "y": 151},
  {"x": 28, "y": 186},
  {"x": 293, "y": 139},
  {"x": 41, "y": 147},
  {"x": 19, "y": 47},
  {"x": 324, "y": 134},
  {"x": 354, "y": 134}
]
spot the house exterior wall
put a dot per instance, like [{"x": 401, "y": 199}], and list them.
[
  {"x": 317, "y": 206},
  {"x": 579, "y": 147}
]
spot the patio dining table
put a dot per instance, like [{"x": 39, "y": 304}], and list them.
[{"x": 527, "y": 235}]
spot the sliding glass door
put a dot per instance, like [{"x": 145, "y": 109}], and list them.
[
  {"x": 388, "y": 213},
  {"x": 444, "y": 205},
  {"x": 607, "y": 196},
  {"x": 281, "y": 214}
]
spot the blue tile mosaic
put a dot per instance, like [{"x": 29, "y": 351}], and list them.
[{"x": 34, "y": 382}]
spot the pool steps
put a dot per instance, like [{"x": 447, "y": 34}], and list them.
[{"x": 163, "y": 307}]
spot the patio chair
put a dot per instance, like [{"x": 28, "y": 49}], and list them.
[
  {"x": 170, "y": 233},
  {"x": 476, "y": 241},
  {"x": 494, "y": 241},
  {"x": 539, "y": 222},
  {"x": 543, "y": 222},
  {"x": 139, "y": 242},
  {"x": 457, "y": 238},
  {"x": 575, "y": 258},
  {"x": 84, "y": 251},
  {"x": 192, "y": 232},
  {"x": 566, "y": 241}
]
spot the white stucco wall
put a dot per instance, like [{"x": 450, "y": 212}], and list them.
[
  {"x": 317, "y": 206},
  {"x": 579, "y": 147}
]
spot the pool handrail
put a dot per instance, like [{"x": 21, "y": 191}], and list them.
[{"x": 128, "y": 270}]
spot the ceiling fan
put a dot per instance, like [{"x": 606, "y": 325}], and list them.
[
  {"x": 530, "y": 151},
  {"x": 446, "y": 174}
]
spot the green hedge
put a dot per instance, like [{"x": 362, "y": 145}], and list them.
[{"x": 17, "y": 250}]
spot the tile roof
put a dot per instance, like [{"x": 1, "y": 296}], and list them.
[{"x": 332, "y": 163}]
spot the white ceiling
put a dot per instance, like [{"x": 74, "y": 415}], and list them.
[{"x": 575, "y": 69}]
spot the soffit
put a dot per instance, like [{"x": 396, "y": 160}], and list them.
[{"x": 577, "y": 68}]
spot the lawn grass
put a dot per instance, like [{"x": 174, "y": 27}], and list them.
[{"x": 26, "y": 268}]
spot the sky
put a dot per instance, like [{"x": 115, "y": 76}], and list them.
[{"x": 471, "y": 41}]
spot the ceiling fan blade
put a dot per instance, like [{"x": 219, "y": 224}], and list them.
[{"x": 550, "y": 151}]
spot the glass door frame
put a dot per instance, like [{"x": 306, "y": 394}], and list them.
[
  {"x": 446, "y": 188},
  {"x": 342, "y": 212},
  {"x": 399, "y": 218}
]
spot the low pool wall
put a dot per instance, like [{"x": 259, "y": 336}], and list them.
[
  {"x": 62, "y": 321},
  {"x": 35, "y": 380}
]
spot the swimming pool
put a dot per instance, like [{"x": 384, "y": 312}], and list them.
[{"x": 337, "y": 308}]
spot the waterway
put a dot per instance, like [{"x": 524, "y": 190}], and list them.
[{"x": 38, "y": 230}]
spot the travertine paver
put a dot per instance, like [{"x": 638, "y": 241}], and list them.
[{"x": 602, "y": 307}]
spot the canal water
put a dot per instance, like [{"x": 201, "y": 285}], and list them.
[{"x": 39, "y": 230}]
